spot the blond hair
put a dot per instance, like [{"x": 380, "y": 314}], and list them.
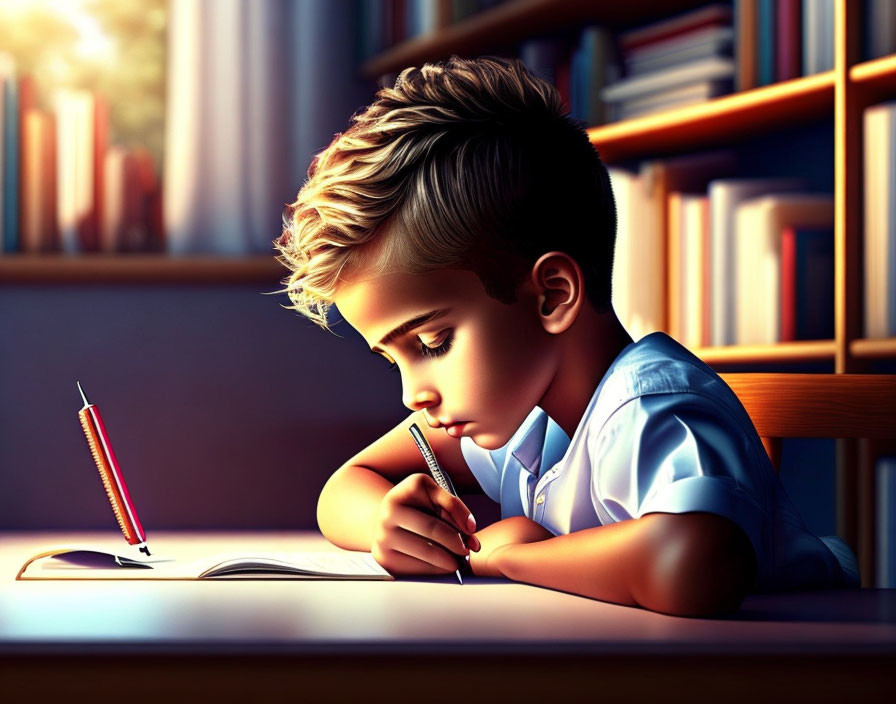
[{"x": 464, "y": 164}]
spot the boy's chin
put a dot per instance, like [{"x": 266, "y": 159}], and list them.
[{"x": 488, "y": 441}]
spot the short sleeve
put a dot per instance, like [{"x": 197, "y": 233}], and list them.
[{"x": 676, "y": 453}]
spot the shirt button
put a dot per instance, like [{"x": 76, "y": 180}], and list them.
[{"x": 540, "y": 500}]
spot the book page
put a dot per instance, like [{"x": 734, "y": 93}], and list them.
[{"x": 87, "y": 563}]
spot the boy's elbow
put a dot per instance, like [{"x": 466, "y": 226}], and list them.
[{"x": 703, "y": 567}]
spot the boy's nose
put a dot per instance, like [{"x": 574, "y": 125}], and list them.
[{"x": 418, "y": 400}]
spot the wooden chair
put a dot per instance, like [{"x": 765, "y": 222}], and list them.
[
  {"x": 817, "y": 405},
  {"x": 855, "y": 407}
]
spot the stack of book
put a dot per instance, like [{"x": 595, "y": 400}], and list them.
[
  {"x": 679, "y": 61},
  {"x": 880, "y": 220},
  {"x": 63, "y": 187},
  {"x": 721, "y": 261}
]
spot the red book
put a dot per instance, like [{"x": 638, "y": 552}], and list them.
[
  {"x": 789, "y": 48},
  {"x": 91, "y": 240},
  {"x": 788, "y": 285},
  {"x": 709, "y": 16}
]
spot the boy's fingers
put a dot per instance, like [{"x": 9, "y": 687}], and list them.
[
  {"x": 424, "y": 550},
  {"x": 430, "y": 527},
  {"x": 423, "y": 491}
]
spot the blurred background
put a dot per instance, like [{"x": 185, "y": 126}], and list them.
[{"x": 149, "y": 148}]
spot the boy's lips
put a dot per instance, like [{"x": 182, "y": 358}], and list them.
[{"x": 455, "y": 430}]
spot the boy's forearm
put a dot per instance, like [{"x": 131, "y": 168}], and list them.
[
  {"x": 683, "y": 564},
  {"x": 348, "y": 506}
]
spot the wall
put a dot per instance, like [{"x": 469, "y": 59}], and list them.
[{"x": 226, "y": 411}]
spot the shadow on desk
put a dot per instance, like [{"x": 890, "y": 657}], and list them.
[{"x": 824, "y": 606}]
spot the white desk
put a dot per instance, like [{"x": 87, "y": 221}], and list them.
[{"x": 349, "y": 635}]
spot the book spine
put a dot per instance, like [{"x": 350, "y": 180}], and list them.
[
  {"x": 789, "y": 40},
  {"x": 766, "y": 45},
  {"x": 788, "y": 284},
  {"x": 745, "y": 43},
  {"x": 9, "y": 224},
  {"x": 675, "y": 242}
]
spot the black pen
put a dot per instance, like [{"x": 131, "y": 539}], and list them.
[{"x": 442, "y": 479}]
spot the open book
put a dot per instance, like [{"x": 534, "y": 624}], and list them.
[{"x": 76, "y": 563}]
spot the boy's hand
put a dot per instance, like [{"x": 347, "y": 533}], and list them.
[
  {"x": 499, "y": 535},
  {"x": 418, "y": 528}
]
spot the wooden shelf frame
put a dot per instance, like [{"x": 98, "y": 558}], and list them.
[{"x": 139, "y": 269}]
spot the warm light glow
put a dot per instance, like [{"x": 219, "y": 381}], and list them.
[{"x": 93, "y": 43}]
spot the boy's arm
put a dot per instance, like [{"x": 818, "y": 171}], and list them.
[
  {"x": 350, "y": 504},
  {"x": 688, "y": 564}
]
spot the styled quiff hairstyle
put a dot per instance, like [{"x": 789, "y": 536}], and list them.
[{"x": 467, "y": 164}]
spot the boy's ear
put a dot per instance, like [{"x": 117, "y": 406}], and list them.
[{"x": 560, "y": 290}]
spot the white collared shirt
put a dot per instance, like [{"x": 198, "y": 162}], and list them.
[{"x": 662, "y": 433}]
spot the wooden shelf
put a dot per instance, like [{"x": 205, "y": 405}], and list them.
[
  {"x": 717, "y": 121},
  {"x": 784, "y": 352},
  {"x": 875, "y": 80},
  {"x": 884, "y": 348},
  {"x": 511, "y": 22},
  {"x": 139, "y": 269}
]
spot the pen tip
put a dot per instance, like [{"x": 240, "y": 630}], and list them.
[{"x": 83, "y": 395}]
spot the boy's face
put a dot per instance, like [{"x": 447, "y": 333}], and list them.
[{"x": 474, "y": 365}]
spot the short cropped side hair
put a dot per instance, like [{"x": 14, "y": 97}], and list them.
[{"x": 467, "y": 164}]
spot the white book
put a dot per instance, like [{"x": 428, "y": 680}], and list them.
[
  {"x": 111, "y": 235},
  {"x": 637, "y": 267},
  {"x": 703, "y": 43},
  {"x": 691, "y": 241},
  {"x": 758, "y": 226},
  {"x": 724, "y": 197},
  {"x": 713, "y": 68},
  {"x": 74, "y": 174},
  {"x": 885, "y": 520},
  {"x": 880, "y": 223}
]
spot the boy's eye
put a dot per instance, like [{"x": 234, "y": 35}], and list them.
[{"x": 439, "y": 346}]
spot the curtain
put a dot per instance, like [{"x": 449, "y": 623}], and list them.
[{"x": 255, "y": 89}]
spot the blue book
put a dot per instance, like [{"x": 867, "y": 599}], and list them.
[
  {"x": 814, "y": 269},
  {"x": 885, "y": 523},
  {"x": 766, "y": 21},
  {"x": 10, "y": 166}
]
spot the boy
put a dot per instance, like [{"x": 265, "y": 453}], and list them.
[{"x": 465, "y": 228}]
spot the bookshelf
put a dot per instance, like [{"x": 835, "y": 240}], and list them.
[{"x": 841, "y": 94}]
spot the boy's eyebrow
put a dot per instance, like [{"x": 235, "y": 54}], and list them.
[{"x": 407, "y": 326}]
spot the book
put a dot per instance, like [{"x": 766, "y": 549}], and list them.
[
  {"x": 807, "y": 284},
  {"x": 885, "y": 523},
  {"x": 708, "y": 69},
  {"x": 818, "y": 36},
  {"x": 688, "y": 268},
  {"x": 9, "y": 155},
  {"x": 766, "y": 26},
  {"x": 880, "y": 38},
  {"x": 724, "y": 197},
  {"x": 708, "y": 16},
  {"x": 759, "y": 223},
  {"x": 745, "y": 42},
  {"x": 89, "y": 563},
  {"x": 700, "y": 44},
  {"x": 880, "y": 222},
  {"x": 789, "y": 41},
  {"x": 593, "y": 65}
]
